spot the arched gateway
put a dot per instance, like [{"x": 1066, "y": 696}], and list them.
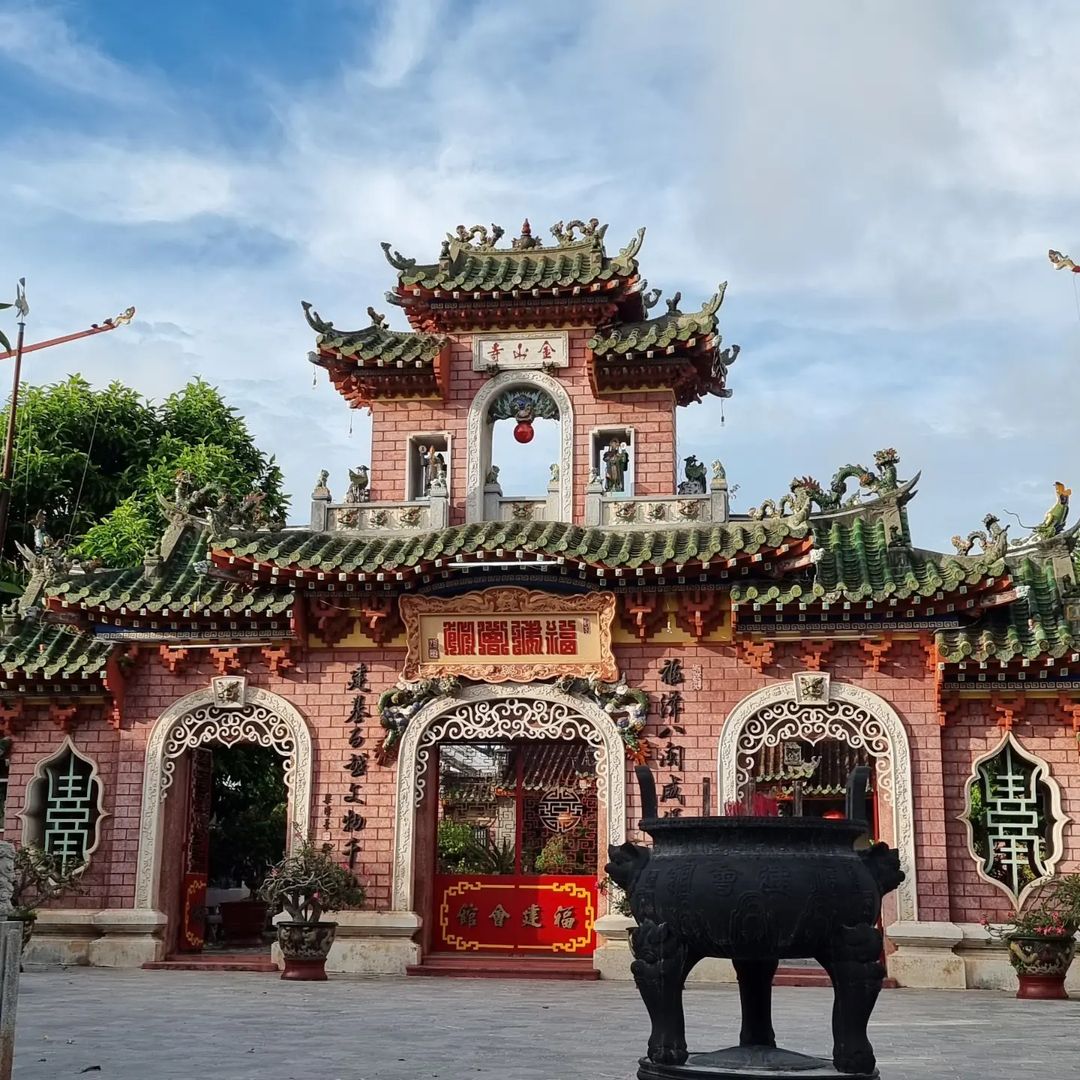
[
  {"x": 228, "y": 712},
  {"x": 813, "y": 708},
  {"x": 537, "y": 712}
]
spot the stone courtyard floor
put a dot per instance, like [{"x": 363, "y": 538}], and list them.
[{"x": 136, "y": 1025}]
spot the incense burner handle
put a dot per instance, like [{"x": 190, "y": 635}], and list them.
[{"x": 647, "y": 787}]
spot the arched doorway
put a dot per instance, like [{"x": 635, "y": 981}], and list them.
[
  {"x": 228, "y": 713},
  {"x": 492, "y": 721},
  {"x": 813, "y": 709},
  {"x": 479, "y": 431}
]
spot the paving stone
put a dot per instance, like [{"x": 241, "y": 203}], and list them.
[{"x": 154, "y": 1025}]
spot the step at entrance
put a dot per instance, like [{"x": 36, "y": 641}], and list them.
[
  {"x": 260, "y": 962},
  {"x": 478, "y": 967}
]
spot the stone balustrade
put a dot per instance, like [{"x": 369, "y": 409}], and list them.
[
  {"x": 415, "y": 515},
  {"x": 662, "y": 511}
]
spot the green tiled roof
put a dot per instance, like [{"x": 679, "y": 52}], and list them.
[
  {"x": 626, "y": 548},
  {"x": 179, "y": 586},
  {"x": 1030, "y": 627},
  {"x": 857, "y": 563},
  {"x": 659, "y": 333},
  {"x": 468, "y": 268},
  {"x": 44, "y": 652},
  {"x": 375, "y": 342}
]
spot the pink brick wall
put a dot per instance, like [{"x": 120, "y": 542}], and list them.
[
  {"x": 971, "y": 731},
  {"x": 948, "y": 886},
  {"x": 652, "y": 415}
]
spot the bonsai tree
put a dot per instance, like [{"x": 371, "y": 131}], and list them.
[
  {"x": 40, "y": 877},
  {"x": 1053, "y": 913},
  {"x": 309, "y": 882}
]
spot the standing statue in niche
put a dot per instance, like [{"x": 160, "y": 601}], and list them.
[{"x": 616, "y": 462}]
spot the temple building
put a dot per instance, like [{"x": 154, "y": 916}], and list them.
[{"x": 454, "y": 681}]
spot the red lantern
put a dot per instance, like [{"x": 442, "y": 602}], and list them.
[{"x": 523, "y": 431}]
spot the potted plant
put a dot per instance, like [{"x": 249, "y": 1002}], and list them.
[
  {"x": 40, "y": 877},
  {"x": 307, "y": 884},
  {"x": 1042, "y": 939}
]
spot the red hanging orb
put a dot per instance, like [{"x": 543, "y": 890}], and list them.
[{"x": 523, "y": 431}]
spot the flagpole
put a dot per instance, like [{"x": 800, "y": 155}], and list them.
[{"x": 9, "y": 444}]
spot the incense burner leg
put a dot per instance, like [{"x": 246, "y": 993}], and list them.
[
  {"x": 661, "y": 965},
  {"x": 755, "y": 995},
  {"x": 854, "y": 965}
]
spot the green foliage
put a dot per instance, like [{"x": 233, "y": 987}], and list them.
[
  {"x": 308, "y": 883},
  {"x": 40, "y": 877},
  {"x": 96, "y": 461},
  {"x": 1053, "y": 910},
  {"x": 554, "y": 857},
  {"x": 606, "y": 887},
  {"x": 461, "y": 853},
  {"x": 248, "y": 813}
]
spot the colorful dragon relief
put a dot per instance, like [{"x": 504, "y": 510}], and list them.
[
  {"x": 992, "y": 539},
  {"x": 806, "y": 492}
]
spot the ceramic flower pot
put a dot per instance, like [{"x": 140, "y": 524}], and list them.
[
  {"x": 305, "y": 947},
  {"x": 1041, "y": 964}
]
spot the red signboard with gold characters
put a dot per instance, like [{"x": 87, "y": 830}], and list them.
[
  {"x": 509, "y": 634},
  {"x": 486, "y": 913}
]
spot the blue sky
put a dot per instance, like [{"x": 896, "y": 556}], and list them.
[{"x": 878, "y": 182}]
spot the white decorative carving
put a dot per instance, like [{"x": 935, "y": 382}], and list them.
[
  {"x": 1011, "y": 801},
  {"x": 229, "y": 691},
  {"x": 518, "y": 712},
  {"x": 850, "y": 714},
  {"x": 195, "y": 720},
  {"x": 478, "y": 439}
]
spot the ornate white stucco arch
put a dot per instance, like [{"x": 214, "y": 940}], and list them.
[
  {"x": 201, "y": 718},
  {"x": 850, "y": 714},
  {"x": 478, "y": 438},
  {"x": 540, "y": 711}
]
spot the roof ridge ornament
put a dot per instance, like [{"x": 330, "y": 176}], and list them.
[
  {"x": 377, "y": 320},
  {"x": 485, "y": 241},
  {"x": 835, "y": 498},
  {"x": 990, "y": 538},
  {"x": 590, "y": 230},
  {"x": 397, "y": 260},
  {"x": 1053, "y": 522},
  {"x": 526, "y": 241},
  {"x": 314, "y": 320}
]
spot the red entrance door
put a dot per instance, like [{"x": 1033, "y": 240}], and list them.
[
  {"x": 196, "y": 853},
  {"x": 516, "y": 849}
]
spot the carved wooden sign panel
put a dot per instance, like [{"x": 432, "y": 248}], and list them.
[
  {"x": 509, "y": 635},
  {"x": 526, "y": 349}
]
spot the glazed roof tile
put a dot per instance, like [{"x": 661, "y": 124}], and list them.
[
  {"x": 179, "y": 586},
  {"x": 41, "y": 651},
  {"x": 468, "y": 268},
  {"x": 615, "y": 548},
  {"x": 1033, "y": 626},
  {"x": 376, "y": 342},
  {"x": 661, "y": 333},
  {"x": 857, "y": 563}
]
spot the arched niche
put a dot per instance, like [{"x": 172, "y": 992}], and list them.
[
  {"x": 812, "y": 707},
  {"x": 251, "y": 715},
  {"x": 478, "y": 438}
]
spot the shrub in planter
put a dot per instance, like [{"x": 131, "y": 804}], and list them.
[
  {"x": 1042, "y": 939},
  {"x": 307, "y": 884},
  {"x": 39, "y": 878}
]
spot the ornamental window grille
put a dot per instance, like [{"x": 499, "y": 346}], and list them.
[
  {"x": 63, "y": 806},
  {"x": 1014, "y": 819}
]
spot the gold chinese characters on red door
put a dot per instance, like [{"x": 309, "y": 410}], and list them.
[{"x": 509, "y": 635}]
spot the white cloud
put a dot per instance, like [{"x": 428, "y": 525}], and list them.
[
  {"x": 879, "y": 185},
  {"x": 36, "y": 38}
]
